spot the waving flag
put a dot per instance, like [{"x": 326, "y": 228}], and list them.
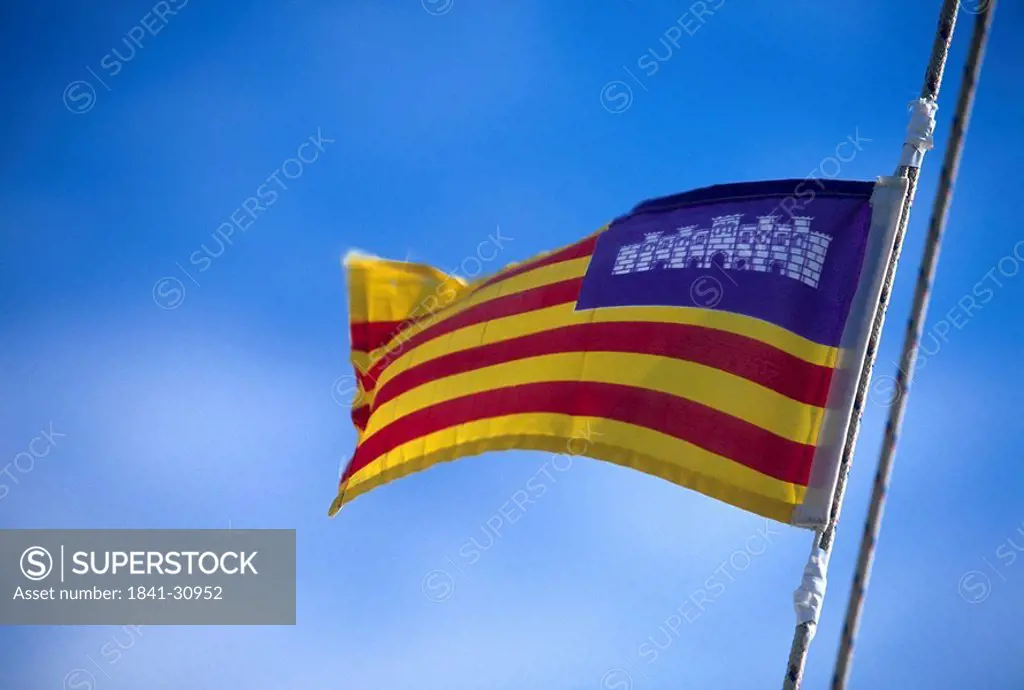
[{"x": 711, "y": 338}]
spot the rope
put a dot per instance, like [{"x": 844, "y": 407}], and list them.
[
  {"x": 912, "y": 338},
  {"x": 929, "y": 92}
]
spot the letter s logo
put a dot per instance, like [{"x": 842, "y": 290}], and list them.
[
  {"x": 616, "y": 679},
  {"x": 79, "y": 97},
  {"x": 79, "y": 679},
  {"x": 36, "y": 563}
]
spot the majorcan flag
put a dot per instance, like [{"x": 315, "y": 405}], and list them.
[{"x": 713, "y": 338}]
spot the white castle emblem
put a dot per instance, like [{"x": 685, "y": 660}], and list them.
[{"x": 768, "y": 246}]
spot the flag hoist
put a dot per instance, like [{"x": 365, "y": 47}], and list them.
[
  {"x": 809, "y": 597},
  {"x": 912, "y": 338},
  {"x": 720, "y": 339}
]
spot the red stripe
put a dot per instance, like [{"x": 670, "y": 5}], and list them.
[
  {"x": 573, "y": 251},
  {"x": 497, "y": 308},
  {"x": 736, "y": 354},
  {"x": 369, "y": 335},
  {"x": 698, "y": 424},
  {"x": 360, "y": 416},
  {"x": 365, "y": 380}
]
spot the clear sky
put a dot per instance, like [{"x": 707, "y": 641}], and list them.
[{"x": 439, "y": 123}]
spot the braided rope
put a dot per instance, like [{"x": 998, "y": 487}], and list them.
[
  {"x": 911, "y": 340},
  {"x": 804, "y": 632}
]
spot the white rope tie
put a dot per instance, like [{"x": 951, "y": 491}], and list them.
[
  {"x": 810, "y": 595},
  {"x": 919, "y": 132}
]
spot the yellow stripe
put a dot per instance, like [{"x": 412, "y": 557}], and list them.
[
  {"x": 731, "y": 394},
  {"x": 383, "y": 290},
  {"x": 361, "y": 360},
  {"x": 367, "y": 273},
  {"x": 538, "y": 277},
  {"x": 561, "y": 315},
  {"x": 498, "y": 275},
  {"x": 564, "y": 315},
  {"x": 623, "y": 444}
]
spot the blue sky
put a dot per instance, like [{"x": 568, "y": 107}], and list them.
[{"x": 438, "y": 123}]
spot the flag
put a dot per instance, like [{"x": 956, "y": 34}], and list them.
[{"x": 711, "y": 338}]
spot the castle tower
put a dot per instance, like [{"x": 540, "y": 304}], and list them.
[
  {"x": 725, "y": 225},
  {"x": 663, "y": 251},
  {"x": 743, "y": 257},
  {"x": 722, "y": 242},
  {"x": 625, "y": 260},
  {"x": 681, "y": 251},
  {"x": 798, "y": 243},
  {"x": 765, "y": 226},
  {"x": 815, "y": 262},
  {"x": 699, "y": 249},
  {"x": 762, "y": 244},
  {"x": 645, "y": 259},
  {"x": 779, "y": 252}
]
